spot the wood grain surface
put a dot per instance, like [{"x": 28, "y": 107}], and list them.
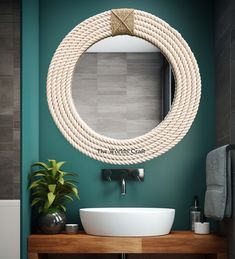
[{"x": 179, "y": 242}]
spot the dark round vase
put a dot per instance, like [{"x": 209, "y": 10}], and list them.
[{"x": 51, "y": 222}]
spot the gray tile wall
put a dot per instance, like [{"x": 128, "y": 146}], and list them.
[
  {"x": 119, "y": 95},
  {"x": 9, "y": 99},
  {"x": 225, "y": 94}
]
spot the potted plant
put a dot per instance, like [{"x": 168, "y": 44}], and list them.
[{"x": 50, "y": 189}]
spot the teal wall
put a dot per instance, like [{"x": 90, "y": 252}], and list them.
[
  {"x": 172, "y": 179},
  {"x": 29, "y": 108}
]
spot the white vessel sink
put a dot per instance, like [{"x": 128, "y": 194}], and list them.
[{"x": 127, "y": 221}]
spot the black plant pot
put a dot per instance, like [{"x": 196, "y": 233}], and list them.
[{"x": 51, "y": 222}]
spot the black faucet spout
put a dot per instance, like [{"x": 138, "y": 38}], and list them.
[{"x": 123, "y": 186}]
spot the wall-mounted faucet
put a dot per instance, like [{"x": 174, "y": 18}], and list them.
[
  {"x": 123, "y": 186},
  {"x": 122, "y": 175}
]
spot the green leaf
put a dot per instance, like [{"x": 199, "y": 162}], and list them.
[
  {"x": 34, "y": 184},
  {"x": 53, "y": 166},
  {"x": 42, "y": 193},
  {"x": 39, "y": 174},
  {"x": 62, "y": 207},
  {"x": 38, "y": 183},
  {"x": 68, "y": 197},
  {"x": 41, "y": 171},
  {"x": 40, "y": 188},
  {"x": 36, "y": 200},
  {"x": 61, "y": 180},
  {"x": 72, "y": 181},
  {"x": 70, "y": 174},
  {"x": 61, "y": 173},
  {"x": 59, "y": 164},
  {"x": 51, "y": 198},
  {"x": 40, "y": 164},
  {"x": 75, "y": 192},
  {"x": 71, "y": 184},
  {"x": 52, "y": 187}
]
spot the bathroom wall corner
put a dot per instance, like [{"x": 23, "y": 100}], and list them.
[{"x": 29, "y": 107}]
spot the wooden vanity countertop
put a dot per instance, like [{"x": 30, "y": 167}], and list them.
[{"x": 177, "y": 242}]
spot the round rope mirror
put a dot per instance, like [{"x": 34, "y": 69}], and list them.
[{"x": 187, "y": 90}]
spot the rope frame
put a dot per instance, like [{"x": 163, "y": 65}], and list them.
[{"x": 145, "y": 147}]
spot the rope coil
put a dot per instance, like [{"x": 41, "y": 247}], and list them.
[{"x": 160, "y": 139}]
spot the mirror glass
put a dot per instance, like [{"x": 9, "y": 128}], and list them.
[{"x": 122, "y": 87}]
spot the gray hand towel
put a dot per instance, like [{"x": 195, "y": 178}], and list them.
[{"x": 218, "y": 198}]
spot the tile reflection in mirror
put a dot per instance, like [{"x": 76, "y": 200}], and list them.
[{"x": 121, "y": 94}]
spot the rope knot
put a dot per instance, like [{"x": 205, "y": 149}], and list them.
[{"x": 122, "y": 21}]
